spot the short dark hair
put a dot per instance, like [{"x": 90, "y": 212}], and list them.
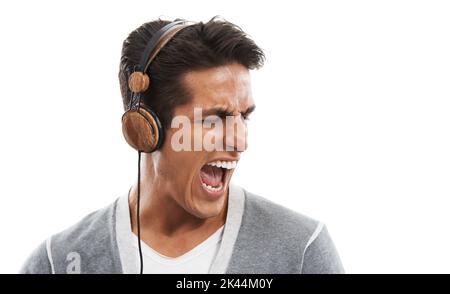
[{"x": 200, "y": 46}]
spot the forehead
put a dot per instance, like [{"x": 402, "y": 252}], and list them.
[{"x": 227, "y": 86}]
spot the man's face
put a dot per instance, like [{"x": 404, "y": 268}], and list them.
[{"x": 198, "y": 180}]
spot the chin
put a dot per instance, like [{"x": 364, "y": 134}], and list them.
[{"x": 207, "y": 208}]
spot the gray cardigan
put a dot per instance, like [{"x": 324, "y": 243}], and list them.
[{"x": 259, "y": 237}]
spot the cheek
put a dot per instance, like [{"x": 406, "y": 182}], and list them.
[
  {"x": 179, "y": 168},
  {"x": 213, "y": 138}
]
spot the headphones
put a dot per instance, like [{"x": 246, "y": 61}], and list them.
[{"x": 141, "y": 127}]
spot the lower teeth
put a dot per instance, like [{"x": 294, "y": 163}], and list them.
[{"x": 214, "y": 189}]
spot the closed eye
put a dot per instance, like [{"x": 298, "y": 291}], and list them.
[{"x": 246, "y": 114}]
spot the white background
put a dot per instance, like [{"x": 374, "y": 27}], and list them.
[{"x": 351, "y": 128}]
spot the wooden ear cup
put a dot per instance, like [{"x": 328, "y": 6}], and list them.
[
  {"x": 142, "y": 129},
  {"x": 138, "y": 82}
]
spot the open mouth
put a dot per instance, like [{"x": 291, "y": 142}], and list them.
[{"x": 215, "y": 175}]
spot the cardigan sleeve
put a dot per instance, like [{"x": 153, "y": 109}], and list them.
[{"x": 37, "y": 262}]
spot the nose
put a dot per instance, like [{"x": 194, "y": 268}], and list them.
[{"x": 236, "y": 133}]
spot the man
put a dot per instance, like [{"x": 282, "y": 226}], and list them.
[{"x": 191, "y": 219}]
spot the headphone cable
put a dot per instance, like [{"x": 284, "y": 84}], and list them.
[{"x": 138, "y": 214}]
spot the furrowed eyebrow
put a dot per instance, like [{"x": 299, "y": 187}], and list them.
[
  {"x": 219, "y": 111},
  {"x": 224, "y": 112}
]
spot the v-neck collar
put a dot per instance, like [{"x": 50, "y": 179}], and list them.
[{"x": 129, "y": 256}]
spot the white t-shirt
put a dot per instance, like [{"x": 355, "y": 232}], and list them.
[{"x": 196, "y": 261}]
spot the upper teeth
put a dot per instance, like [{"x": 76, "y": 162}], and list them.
[{"x": 224, "y": 164}]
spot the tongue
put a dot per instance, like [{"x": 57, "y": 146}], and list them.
[{"x": 211, "y": 175}]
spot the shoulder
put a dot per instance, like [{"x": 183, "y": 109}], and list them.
[
  {"x": 90, "y": 226},
  {"x": 278, "y": 238},
  {"x": 72, "y": 250},
  {"x": 276, "y": 218}
]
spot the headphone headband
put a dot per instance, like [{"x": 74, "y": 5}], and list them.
[
  {"x": 157, "y": 42},
  {"x": 138, "y": 81}
]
